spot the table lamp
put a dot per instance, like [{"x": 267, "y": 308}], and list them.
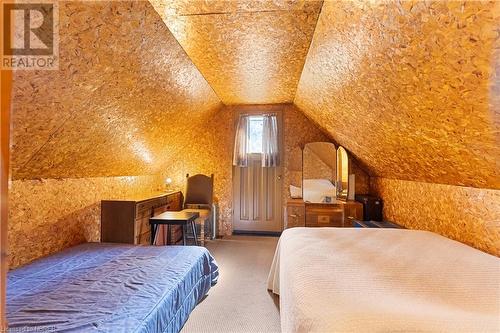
[{"x": 168, "y": 183}]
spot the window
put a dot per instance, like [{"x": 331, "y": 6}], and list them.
[{"x": 255, "y": 134}]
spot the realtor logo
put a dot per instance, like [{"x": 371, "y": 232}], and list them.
[{"x": 30, "y": 38}]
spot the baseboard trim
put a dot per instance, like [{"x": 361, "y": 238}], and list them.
[{"x": 257, "y": 233}]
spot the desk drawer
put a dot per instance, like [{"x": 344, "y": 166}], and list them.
[
  {"x": 151, "y": 208},
  {"x": 174, "y": 201},
  {"x": 150, "y": 204},
  {"x": 144, "y": 239},
  {"x": 142, "y": 223}
]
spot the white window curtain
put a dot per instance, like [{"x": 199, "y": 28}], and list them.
[
  {"x": 270, "y": 153},
  {"x": 240, "y": 155}
]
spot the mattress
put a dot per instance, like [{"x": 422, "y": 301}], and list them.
[
  {"x": 383, "y": 280},
  {"x": 100, "y": 287}
]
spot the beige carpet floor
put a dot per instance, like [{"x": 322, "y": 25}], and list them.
[{"x": 239, "y": 302}]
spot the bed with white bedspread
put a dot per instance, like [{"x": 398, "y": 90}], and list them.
[{"x": 383, "y": 280}]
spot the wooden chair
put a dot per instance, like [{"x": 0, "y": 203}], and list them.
[{"x": 199, "y": 196}]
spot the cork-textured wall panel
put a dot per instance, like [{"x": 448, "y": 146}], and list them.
[
  {"x": 48, "y": 215},
  {"x": 361, "y": 178},
  {"x": 123, "y": 99},
  {"x": 249, "y": 56},
  {"x": 466, "y": 214},
  {"x": 409, "y": 87}
]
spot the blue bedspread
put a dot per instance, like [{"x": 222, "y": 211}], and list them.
[{"x": 99, "y": 287}]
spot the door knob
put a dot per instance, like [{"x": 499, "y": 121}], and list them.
[{"x": 279, "y": 177}]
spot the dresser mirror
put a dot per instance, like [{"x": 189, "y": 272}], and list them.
[
  {"x": 322, "y": 167},
  {"x": 342, "y": 174},
  {"x": 319, "y": 172}
]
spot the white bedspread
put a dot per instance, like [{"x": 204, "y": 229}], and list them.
[{"x": 383, "y": 280}]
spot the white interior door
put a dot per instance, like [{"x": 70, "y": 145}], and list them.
[{"x": 257, "y": 194}]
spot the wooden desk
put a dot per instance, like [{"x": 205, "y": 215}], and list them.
[
  {"x": 127, "y": 220},
  {"x": 181, "y": 218}
]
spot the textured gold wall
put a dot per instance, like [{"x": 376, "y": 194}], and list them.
[
  {"x": 361, "y": 179},
  {"x": 410, "y": 88},
  {"x": 251, "y": 52},
  {"x": 123, "y": 99},
  {"x": 48, "y": 215},
  {"x": 466, "y": 214}
]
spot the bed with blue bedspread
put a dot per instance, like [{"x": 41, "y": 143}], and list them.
[{"x": 102, "y": 287}]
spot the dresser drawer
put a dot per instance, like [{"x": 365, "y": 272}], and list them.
[
  {"x": 331, "y": 216},
  {"x": 295, "y": 216},
  {"x": 353, "y": 211}
]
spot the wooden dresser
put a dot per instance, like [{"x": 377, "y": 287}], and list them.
[
  {"x": 127, "y": 220},
  {"x": 295, "y": 214},
  {"x": 338, "y": 214}
]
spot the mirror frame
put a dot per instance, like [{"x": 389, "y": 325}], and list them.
[
  {"x": 296, "y": 166},
  {"x": 342, "y": 194}
]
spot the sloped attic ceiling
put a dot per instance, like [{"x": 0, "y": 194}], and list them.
[
  {"x": 123, "y": 100},
  {"x": 410, "y": 88},
  {"x": 251, "y": 52}
]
